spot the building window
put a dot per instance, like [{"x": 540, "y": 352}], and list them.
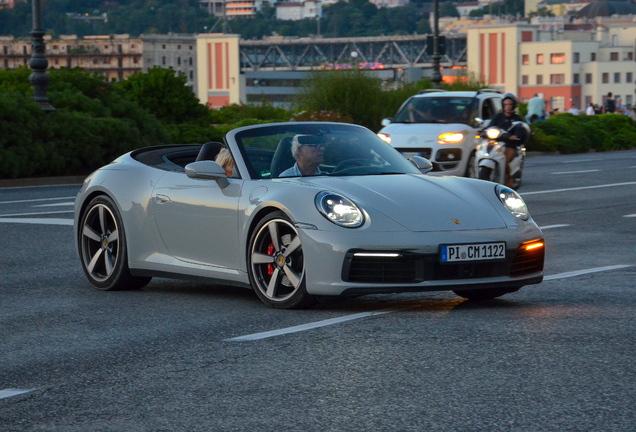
[
  {"x": 617, "y": 77},
  {"x": 628, "y": 77},
  {"x": 179, "y": 60},
  {"x": 614, "y": 40},
  {"x": 539, "y": 58},
  {"x": 190, "y": 61},
  {"x": 588, "y": 78},
  {"x": 191, "y": 75},
  {"x": 575, "y": 79},
  {"x": 539, "y": 79},
  {"x": 190, "y": 47},
  {"x": 614, "y": 56},
  {"x": 557, "y": 102},
  {"x": 628, "y": 101},
  {"x": 135, "y": 60},
  {"x": 524, "y": 80},
  {"x": 55, "y": 47},
  {"x": 593, "y": 57},
  {"x": 178, "y": 47},
  {"x": 163, "y": 47},
  {"x": 106, "y": 61},
  {"x": 588, "y": 100},
  {"x": 525, "y": 59},
  {"x": 6, "y": 63},
  {"x": 557, "y": 78},
  {"x": 24, "y": 50},
  {"x": 163, "y": 60},
  {"x": 4, "y": 49},
  {"x": 575, "y": 57},
  {"x": 605, "y": 78},
  {"x": 630, "y": 56},
  {"x": 558, "y": 58}
]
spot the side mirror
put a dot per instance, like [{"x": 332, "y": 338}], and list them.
[
  {"x": 479, "y": 121},
  {"x": 422, "y": 164},
  {"x": 387, "y": 121},
  {"x": 207, "y": 170}
]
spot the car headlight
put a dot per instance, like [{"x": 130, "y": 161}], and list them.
[
  {"x": 339, "y": 210},
  {"x": 493, "y": 133},
  {"x": 450, "y": 138},
  {"x": 513, "y": 202},
  {"x": 385, "y": 137}
]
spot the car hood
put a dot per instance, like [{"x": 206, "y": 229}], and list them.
[
  {"x": 418, "y": 202},
  {"x": 421, "y": 134}
]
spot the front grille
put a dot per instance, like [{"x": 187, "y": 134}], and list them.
[
  {"x": 526, "y": 262},
  {"x": 414, "y": 268},
  {"x": 379, "y": 269}
]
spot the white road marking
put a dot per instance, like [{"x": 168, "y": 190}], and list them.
[
  {"x": 39, "y": 213},
  {"x": 554, "y": 226},
  {"x": 581, "y": 160},
  {"x": 56, "y": 204},
  {"x": 303, "y": 327},
  {"x": 579, "y": 188},
  {"x": 37, "y": 200},
  {"x": 575, "y": 172},
  {"x": 582, "y": 272},
  {"x": 7, "y": 393},
  {"x": 39, "y": 221},
  {"x": 631, "y": 215}
]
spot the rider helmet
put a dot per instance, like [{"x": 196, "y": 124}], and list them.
[{"x": 512, "y": 97}]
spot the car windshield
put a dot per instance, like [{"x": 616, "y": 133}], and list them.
[
  {"x": 438, "y": 110},
  {"x": 328, "y": 149}
]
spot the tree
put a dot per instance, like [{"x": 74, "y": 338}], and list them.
[{"x": 448, "y": 9}]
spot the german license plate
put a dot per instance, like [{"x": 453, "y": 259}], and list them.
[{"x": 473, "y": 252}]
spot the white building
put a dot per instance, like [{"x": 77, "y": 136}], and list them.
[{"x": 296, "y": 11}]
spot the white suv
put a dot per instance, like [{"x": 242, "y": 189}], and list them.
[{"x": 441, "y": 126}]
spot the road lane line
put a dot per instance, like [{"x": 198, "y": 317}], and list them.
[
  {"x": 582, "y": 272},
  {"x": 38, "y": 221},
  {"x": 553, "y": 226},
  {"x": 37, "y": 200},
  {"x": 7, "y": 393},
  {"x": 34, "y": 214},
  {"x": 631, "y": 215},
  {"x": 55, "y": 205},
  {"x": 580, "y": 160},
  {"x": 576, "y": 172},
  {"x": 579, "y": 188},
  {"x": 310, "y": 326}
]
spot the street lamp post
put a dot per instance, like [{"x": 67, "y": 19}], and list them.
[
  {"x": 437, "y": 77},
  {"x": 39, "y": 79}
]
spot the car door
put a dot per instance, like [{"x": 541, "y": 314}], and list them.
[{"x": 197, "y": 220}]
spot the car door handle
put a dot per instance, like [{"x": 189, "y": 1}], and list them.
[{"x": 161, "y": 199}]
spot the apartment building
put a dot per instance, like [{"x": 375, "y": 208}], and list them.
[
  {"x": 565, "y": 68},
  {"x": 172, "y": 51},
  {"x": 9, "y": 4},
  {"x": 116, "y": 57}
]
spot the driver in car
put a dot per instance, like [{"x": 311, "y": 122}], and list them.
[{"x": 308, "y": 151}]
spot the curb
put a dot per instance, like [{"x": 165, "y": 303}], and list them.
[{"x": 42, "y": 181}]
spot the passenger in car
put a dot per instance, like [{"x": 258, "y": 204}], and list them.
[
  {"x": 224, "y": 158},
  {"x": 308, "y": 153}
]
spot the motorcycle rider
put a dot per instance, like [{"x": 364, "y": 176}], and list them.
[{"x": 504, "y": 120}]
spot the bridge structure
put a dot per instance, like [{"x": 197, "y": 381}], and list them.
[{"x": 380, "y": 52}]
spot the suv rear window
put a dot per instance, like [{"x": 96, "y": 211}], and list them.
[{"x": 438, "y": 110}]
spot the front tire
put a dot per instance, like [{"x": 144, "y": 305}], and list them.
[
  {"x": 276, "y": 263},
  {"x": 485, "y": 173},
  {"x": 102, "y": 246},
  {"x": 484, "y": 294}
]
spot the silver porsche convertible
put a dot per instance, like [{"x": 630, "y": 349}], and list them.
[{"x": 365, "y": 221}]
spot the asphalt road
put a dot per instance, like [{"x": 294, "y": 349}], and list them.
[{"x": 559, "y": 356}]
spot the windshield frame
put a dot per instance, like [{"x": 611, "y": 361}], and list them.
[
  {"x": 362, "y": 139},
  {"x": 427, "y": 110}
]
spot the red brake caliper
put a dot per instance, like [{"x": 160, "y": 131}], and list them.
[{"x": 270, "y": 252}]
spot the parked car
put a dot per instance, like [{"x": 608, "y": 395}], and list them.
[
  {"x": 368, "y": 221},
  {"x": 442, "y": 126}
]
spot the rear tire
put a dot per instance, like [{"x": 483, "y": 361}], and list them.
[
  {"x": 102, "y": 246},
  {"x": 485, "y": 173},
  {"x": 484, "y": 294}
]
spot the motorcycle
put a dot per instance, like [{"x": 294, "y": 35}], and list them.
[{"x": 490, "y": 157}]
